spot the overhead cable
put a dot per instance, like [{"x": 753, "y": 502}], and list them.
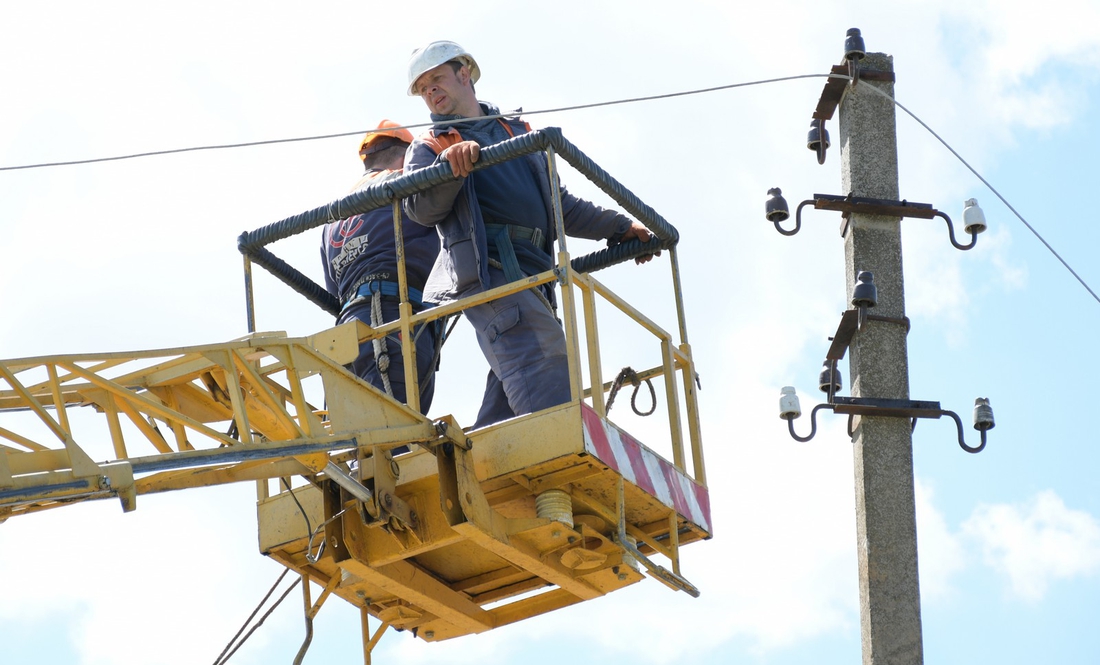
[
  {"x": 990, "y": 187},
  {"x": 320, "y": 137},
  {"x": 576, "y": 107},
  {"x": 234, "y": 645}
]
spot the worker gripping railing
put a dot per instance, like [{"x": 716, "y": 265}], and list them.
[
  {"x": 568, "y": 271},
  {"x": 252, "y": 243}
]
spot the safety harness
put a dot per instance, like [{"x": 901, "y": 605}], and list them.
[
  {"x": 498, "y": 236},
  {"x": 375, "y": 290}
]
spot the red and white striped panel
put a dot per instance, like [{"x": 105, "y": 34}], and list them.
[{"x": 646, "y": 469}]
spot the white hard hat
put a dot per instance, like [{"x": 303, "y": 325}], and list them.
[{"x": 434, "y": 55}]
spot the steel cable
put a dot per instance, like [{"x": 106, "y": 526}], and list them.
[
  {"x": 248, "y": 144},
  {"x": 224, "y": 657}
]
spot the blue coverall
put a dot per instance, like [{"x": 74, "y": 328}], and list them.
[
  {"x": 360, "y": 257},
  {"x": 519, "y": 334}
]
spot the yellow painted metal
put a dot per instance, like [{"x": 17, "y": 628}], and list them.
[
  {"x": 15, "y": 437},
  {"x": 399, "y": 238},
  {"x": 678, "y": 294},
  {"x": 479, "y": 556},
  {"x": 143, "y": 426},
  {"x": 366, "y": 333},
  {"x": 341, "y": 343},
  {"x": 59, "y": 402},
  {"x": 569, "y": 309},
  {"x": 595, "y": 371},
  {"x": 311, "y": 612},
  {"x": 408, "y": 348},
  {"x": 249, "y": 294},
  {"x": 6, "y": 478},
  {"x": 673, "y": 403},
  {"x": 38, "y": 389},
  {"x": 691, "y": 402},
  {"x": 261, "y": 391},
  {"x": 117, "y": 438},
  {"x": 233, "y": 387},
  {"x": 33, "y": 403},
  {"x": 370, "y": 641},
  {"x": 674, "y": 541},
  {"x": 303, "y": 410},
  {"x": 565, "y": 277},
  {"x": 673, "y": 359},
  {"x": 152, "y": 407},
  {"x": 188, "y": 389}
]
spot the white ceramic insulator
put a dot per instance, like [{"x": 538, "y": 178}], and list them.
[
  {"x": 788, "y": 403},
  {"x": 973, "y": 217}
]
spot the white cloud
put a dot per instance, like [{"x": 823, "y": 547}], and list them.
[{"x": 1037, "y": 543}]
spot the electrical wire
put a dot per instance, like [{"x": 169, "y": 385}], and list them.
[
  {"x": 309, "y": 527},
  {"x": 631, "y": 100},
  {"x": 320, "y": 137},
  {"x": 223, "y": 657},
  {"x": 988, "y": 185}
]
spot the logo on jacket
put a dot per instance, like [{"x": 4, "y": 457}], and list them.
[{"x": 340, "y": 232}]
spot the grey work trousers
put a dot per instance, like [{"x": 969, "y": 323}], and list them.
[{"x": 525, "y": 346}]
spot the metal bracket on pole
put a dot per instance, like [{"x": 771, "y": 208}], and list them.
[
  {"x": 890, "y": 408},
  {"x": 853, "y": 321},
  {"x": 777, "y": 212}
]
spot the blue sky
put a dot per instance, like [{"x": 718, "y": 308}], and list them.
[{"x": 142, "y": 254}]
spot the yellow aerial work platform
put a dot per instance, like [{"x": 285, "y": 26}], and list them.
[{"x": 464, "y": 532}]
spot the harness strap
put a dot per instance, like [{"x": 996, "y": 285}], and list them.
[
  {"x": 381, "y": 353},
  {"x": 509, "y": 262},
  {"x": 385, "y": 288},
  {"x": 516, "y": 232},
  {"x": 500, "y": 236}
]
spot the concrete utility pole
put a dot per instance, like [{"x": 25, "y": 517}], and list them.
[{"x": 889, "y": 591}]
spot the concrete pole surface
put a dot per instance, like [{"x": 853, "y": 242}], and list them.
[{"x": 889, "y": 590}]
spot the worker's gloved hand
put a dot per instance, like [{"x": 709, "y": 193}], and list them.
[{"x": 462, "y": 157}]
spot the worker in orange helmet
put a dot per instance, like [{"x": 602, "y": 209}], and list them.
[
  {"x": 360, "y": 265},
  {"x": 496, "y": 225}
]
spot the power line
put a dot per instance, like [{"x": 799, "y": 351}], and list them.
[
  {"x": 319, "y": 137},
  {"x": 991, "y": 188},
  {"x": 630, "y": 100},
  {"x": 231, "y": 648}
]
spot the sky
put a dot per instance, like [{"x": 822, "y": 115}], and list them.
[{"x": 142, "y": 254}]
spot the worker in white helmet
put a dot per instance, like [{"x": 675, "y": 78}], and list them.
[{"x": 496, "y": 227}]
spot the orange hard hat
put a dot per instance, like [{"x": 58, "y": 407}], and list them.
[{"x": 373, "y": 140}]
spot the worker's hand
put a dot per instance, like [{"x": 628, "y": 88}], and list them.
[
  {"x": 639, "y": 231},
  {"x": 462, "y": 157}
]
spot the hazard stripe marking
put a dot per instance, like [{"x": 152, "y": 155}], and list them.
[{"x": 646, "y": 469}]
